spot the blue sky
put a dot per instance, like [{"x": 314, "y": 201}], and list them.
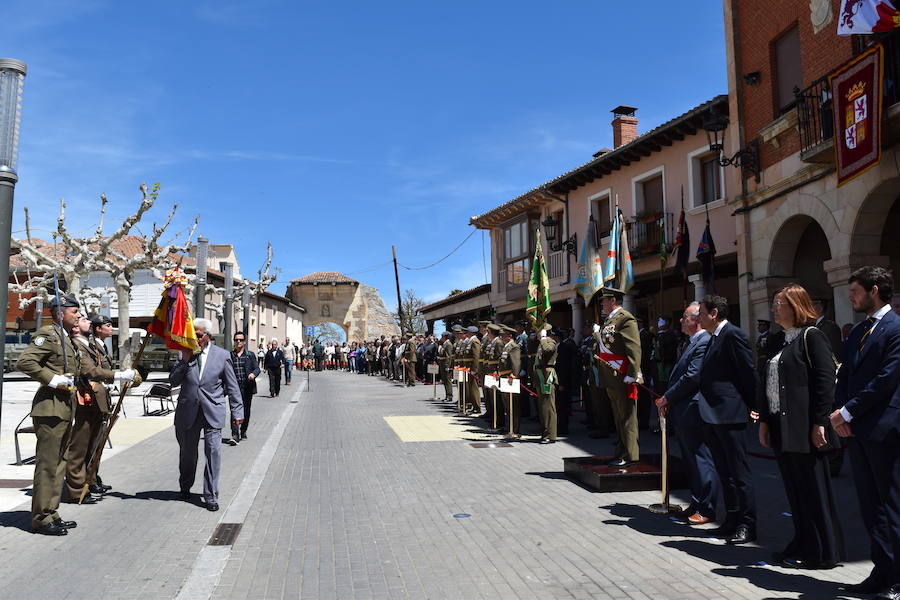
[{"x": 337, "y": 129}]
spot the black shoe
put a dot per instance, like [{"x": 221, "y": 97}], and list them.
[
  {"x": 212, "y": 506},
  {"x": 869, "y": 585},
  {"x": 621, "y": 462},
  {"x": 65, "y": 524},
  {"x": 51, "y": 529},
  {"x": 96, "y": 489},
  {"x": 892, "y": 593},
  {"x": 185, "y": 494},
  {"x": 742, "y": 535},
  {"x": 104, "y": 487},
  {"x": 88, "y": 499},
  {"x": 231, "y": 442},
  {"x": 243, "y": 436}
]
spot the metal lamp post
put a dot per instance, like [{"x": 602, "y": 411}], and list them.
[{"x": 12, "y": 80}]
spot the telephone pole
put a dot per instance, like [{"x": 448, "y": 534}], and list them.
[{"x": 397, "y": 281}]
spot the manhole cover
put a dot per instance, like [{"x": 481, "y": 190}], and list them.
[
  {"x": 491, "y": 445},
  {"x": 461, "y": 516},
  {"x": 224, "y": 534}
]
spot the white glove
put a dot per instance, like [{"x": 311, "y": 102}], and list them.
[
  {"x": 59, "y": 381},
  {"x": 126, "y": 375},
  {"x": 543, "y": 333},
  {"x": 596, "y": 328},
  {"x": 629, "y": 379}
]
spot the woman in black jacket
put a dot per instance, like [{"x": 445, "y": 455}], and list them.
[
  {"x": 796, "y": 394},
  {"x": 273, "y": 362}
]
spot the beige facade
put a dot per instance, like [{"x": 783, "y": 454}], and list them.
[{"x": 647, "y": 176}]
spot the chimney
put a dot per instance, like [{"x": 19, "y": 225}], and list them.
[{"x": 624, "y": 125}]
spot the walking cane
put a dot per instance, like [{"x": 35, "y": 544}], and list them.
[{"x": 664, "y": 507}]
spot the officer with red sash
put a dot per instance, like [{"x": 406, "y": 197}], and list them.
[{"x": 619, "y": 366}]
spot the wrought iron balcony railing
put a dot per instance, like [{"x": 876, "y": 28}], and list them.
[
  {"x": 645, "y": 234},
  {"x": 815, "y": 119}
]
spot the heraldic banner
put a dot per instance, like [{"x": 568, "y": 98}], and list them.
[{"x": 856, "y": 89}]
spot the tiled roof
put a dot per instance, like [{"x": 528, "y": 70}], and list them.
[
  {"x": 603, "y": 163},
  {"x": 458, "y": 296},
  {"x": 324, "y": 277},
  {"x": 128, "y": 245}
]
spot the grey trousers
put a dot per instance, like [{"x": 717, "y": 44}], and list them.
[{"x": 187, "y": 457}]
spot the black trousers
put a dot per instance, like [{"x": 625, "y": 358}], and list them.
[
  {"x": 728, "y": 445},
  {"x": 807, "y": 482},
  {"x": 274, "y": 380},
  {"x": 247, "y": 399}
]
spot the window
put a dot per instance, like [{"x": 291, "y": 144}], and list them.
[
  {"x": 652, "y": 195},
  {"x": 516, "y": 248},
  {"x": 600, "y": 211},
  {"x": 710, "y": 180},
  {"x": 788, "y": 69},
  {"x": 274, "y": 318}
]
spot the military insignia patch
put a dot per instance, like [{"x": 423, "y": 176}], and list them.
[{"x": 39, "y": 341}]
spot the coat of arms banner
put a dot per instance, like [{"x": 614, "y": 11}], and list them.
[{"x": 856, "y": 89}]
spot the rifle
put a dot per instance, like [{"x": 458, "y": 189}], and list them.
[
  {"x": 62, "y": 342},
  {"x": 113, "y": 416}
]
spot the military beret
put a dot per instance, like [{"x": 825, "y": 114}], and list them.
[
  {"x": 472, "y": 329},
  {"x": 100, "y": 320},
  {"x": 494, "y": 328},
  {"x": 64, "y": 301}
]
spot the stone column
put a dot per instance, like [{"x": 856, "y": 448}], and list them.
[
  {"x": 699, "y": 287},
  {"x": 577, "y": 304}
]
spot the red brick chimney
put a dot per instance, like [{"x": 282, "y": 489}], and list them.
[{"x": 624, "y": 125}]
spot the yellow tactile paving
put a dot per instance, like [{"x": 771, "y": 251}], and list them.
[{"x": 435, "y": 428}]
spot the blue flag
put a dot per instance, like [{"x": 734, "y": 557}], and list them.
[
  {"x": 589, "y": 279},
  {"x": 619, "y": 269}
]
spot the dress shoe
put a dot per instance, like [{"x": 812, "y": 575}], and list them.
[
  {"x": 96, "y": 489},
  {"x": 892, "y": 593},
  {"x": 212, "y": 506},
  {"x": 88, "y": 499},
  {"x": 185, "y": 494},
  {"x": 66, "y": 524},
  {"x": 231, "y": 442},
  {"x": 620, "y": 463},
  {"x": 104, "y": 487},
  {"x": 243, "y": 436},
  {"x": 742, "y": 535},
  {"x": 51, "y": 529},
  {"x": 698, "y": 519},
  {"x": 869, "y": 585}
]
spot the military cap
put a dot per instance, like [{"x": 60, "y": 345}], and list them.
[
  {"x": 100, "y": 320},
  {"x": 611, "y": 292},
  {"x": 64, "y": 301},
  {"x": 457, "y": 327},
  {"x": 472, "y": 329},
  {"x": 445, "y": 334},
  {"x": 494, "y": 328},
  {"x": 507, "y": 329},
  {"x": 484, "y": 323}
]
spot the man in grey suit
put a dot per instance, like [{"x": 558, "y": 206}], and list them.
[
  {"x": 679, "y": 404},
  {"x": 205, "y": 379}
]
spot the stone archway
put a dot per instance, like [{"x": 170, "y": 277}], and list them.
[{"x": 331, "y": 297}]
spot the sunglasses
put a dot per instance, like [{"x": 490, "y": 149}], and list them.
[{"x": 239, "y": 339}]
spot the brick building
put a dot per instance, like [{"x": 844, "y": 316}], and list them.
[{"x": 795, "y": 223}]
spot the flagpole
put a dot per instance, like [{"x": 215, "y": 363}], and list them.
[{"x": 684, "y": 275}]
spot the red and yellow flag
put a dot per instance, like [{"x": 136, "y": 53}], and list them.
[{"x": 172, "y": 320}]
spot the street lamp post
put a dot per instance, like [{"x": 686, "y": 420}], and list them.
[{"x": 12, "y": 80}]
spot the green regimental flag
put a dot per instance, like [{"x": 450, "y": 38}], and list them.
[{"x": 537, "y": 302}]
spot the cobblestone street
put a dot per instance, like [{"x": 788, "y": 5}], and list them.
[{"x": 334, "y": 505}]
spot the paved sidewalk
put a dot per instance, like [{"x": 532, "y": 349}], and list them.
[{"x": 343, "y": 508}]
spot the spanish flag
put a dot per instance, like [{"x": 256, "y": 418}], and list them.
[{"x": 172, "y": 320}]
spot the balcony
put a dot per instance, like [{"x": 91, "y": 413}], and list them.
[
  {"x": 815, "y": 122},
  {"x": 556, "y": 264},
  {"x": 645, "y": 234}
]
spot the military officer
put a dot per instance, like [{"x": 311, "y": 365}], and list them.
[
  {"x": 409, "y": 359},
  {"x": 492, "y": 396},
  {"x": 445, "y": 362},
  {"x": 459, "y": 360},
  {"x": 545, "y": 380},
  {"x": 509, "y": 366},
  {"x": 54, "y": 361},
  {"x": 473, "y": 353},
  {"x": 620, "y": 369}
]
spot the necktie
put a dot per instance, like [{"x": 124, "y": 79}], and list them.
[{"x": 870, "y": 325}]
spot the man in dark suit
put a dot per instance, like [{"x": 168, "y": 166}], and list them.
[
  {"x": 868, "y": 394},
  {"x": 728, "y": 389},
  {"x": 205, "y": 379},
  {"x": 680, "y": 405},
  {"x": 828, "y": 327}
]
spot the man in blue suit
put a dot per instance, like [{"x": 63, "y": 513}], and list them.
[
  {"x": 680, "y": 405},
  {"x": 868, "y": 397},
  {"x": 727, "y": 394}
]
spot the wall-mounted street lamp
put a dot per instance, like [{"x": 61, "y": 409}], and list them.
[
  {"x": 745, "y": 158},
  {"x": 551, "y": 231},
  {"x": 12, "y": 80}
]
